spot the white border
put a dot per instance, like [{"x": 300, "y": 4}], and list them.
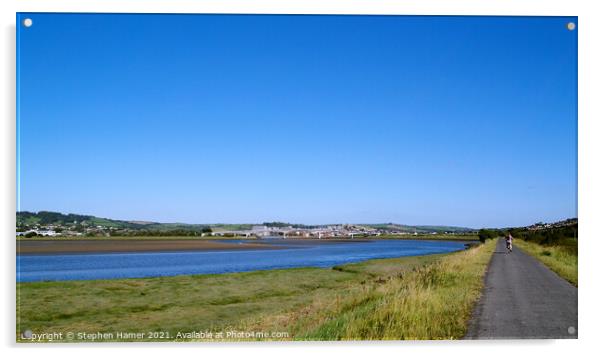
[
  {"x": 418, "y": 7},
  {"x": 589, "y": 161}
]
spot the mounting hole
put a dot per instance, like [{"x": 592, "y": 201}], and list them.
[
  {"x": 27, "y": 22},
  {"x": 572, "y": 330},
  {"x": 570, "y": 26}
]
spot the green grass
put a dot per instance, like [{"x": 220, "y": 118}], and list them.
[
  {"x": 104, "y": 222},
  {"x": 560, "y": 259},
  {"x": 433, "y": 300},
  {"x": 167, "y": 304},
  {"x": 417, "y": 297},
  {"x": 229, "y": 227}
]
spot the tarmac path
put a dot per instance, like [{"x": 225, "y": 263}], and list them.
[{"x": 523, "y": 299}]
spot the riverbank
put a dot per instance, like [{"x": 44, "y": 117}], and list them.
[
  {"x": 417, "y": 297},
  {"x": 41, "y": 247},
  {"x": 427, "y": 302}
]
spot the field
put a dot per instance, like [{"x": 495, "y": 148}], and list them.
[
  {"x": 424, "y": 297},
  {"x": 561, "y": 259}
]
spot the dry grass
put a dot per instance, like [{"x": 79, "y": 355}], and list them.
[{"x": 432, "y": 301}]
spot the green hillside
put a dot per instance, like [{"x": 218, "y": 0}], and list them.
[
  {"x": 28, "y": 220},
  {"x": 421, "y": 229}
]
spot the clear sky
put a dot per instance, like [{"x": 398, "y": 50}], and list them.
[{"x": 467, "y": 121}]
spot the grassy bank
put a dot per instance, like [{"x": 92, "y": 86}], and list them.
[
  {"x": 415, "y": 297},
  {"x": 560, "y": 259},
  {"x": 432, "y": 301}
]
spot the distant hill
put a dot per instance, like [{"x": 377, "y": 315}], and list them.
[
  {"x": 54, "y": 218},
  {"x": 422, "y": 229},
  {"x": 29, "y": 219},
  {"x": 25, "y": 218},
  {"x": 562, "y": 232}
]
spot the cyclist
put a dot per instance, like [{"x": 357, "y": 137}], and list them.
[{"x": 509, "y": 242}]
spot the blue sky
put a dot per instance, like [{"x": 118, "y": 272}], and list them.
[{"x": 467, "y": 121}]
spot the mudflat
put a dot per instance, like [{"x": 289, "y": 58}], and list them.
[{"x": 28, "y": 247}]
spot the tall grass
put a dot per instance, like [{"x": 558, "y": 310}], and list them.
[
  {"x": 433, "y": 301},
  {"x": 560, "y": 259}
]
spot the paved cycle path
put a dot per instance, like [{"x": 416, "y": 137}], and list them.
[{"x": 522, "y": 298}]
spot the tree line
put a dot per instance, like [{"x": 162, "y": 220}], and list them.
[{"x": 561, "y": 235}]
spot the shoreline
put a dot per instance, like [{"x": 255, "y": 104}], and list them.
[
  {"x": 54, "y": 247},
  {"x": 95, "y": 246}
]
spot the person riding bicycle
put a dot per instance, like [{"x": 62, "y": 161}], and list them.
[{"x": 509, "y": 242}]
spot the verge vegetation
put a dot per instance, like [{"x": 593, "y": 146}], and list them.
[
  {"x": 430, "y": 301},
  {"x": 561, "y": 259},
  {"x": 555, "y": 246}
]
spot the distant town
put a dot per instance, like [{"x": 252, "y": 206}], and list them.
[
  {"x": 53, "y": 224},
  {"x": 57, "y": 224},
  {"x": 545, "y": 226},
  {"x": 84, "y": 229}
]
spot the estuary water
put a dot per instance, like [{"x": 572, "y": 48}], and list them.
[{"x": 291, "y": 254}]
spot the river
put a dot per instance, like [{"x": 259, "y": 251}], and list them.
[{"x": 291, "y": 254}]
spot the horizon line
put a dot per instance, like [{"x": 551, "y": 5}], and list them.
[{"x": 286, "y": 222}]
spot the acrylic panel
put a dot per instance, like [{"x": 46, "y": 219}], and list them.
[{"x": 200, "y": 177}]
